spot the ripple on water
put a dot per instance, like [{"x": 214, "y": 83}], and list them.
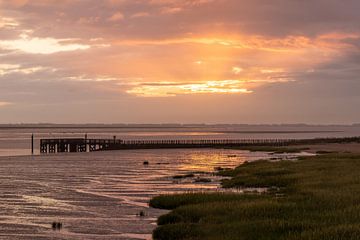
[{"x": 99, "y": 195}]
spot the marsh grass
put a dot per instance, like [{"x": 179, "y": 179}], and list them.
[{"x": 315, "y": 198}]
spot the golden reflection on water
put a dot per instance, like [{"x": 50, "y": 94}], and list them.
[
  {"x": 171, "y": 134},
  {"x": 207, "y": 163},
  {"x": 99, "y": 195},
  {"x": 46, "y": 202}
]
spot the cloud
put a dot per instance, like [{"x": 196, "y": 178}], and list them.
[
  {"x": 272, "y": 70},
  {"x": 6, "y": 69},
  {"x": 237, "y": 70},
  {"x": 171, "y": 10},
  {"x": 140, "y": 15},
  {"x": 41, "y": 45},
  {"x": 170, "y": 89},
  {"x": 116, "y": 17},
  {"x": 14, "y": 3},
  {"x": 122, "y": 50},
  {"x": 8, "y": 23},
  {"x": 3, "y": 104}
]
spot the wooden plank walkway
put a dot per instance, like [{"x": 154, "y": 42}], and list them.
[{"x": 90, "y": 145}]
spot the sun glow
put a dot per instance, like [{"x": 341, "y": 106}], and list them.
[
  {"x": 237, "y": 70},
  {"x": 167, "y": 89}
]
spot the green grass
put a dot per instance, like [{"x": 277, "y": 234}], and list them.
[{"x": 312, "y": 198}]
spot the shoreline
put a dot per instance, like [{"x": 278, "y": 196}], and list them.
[{"x": 289, "y": 210}]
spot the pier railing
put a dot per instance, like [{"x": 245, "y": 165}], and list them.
[{"x": 90, "y": 145}]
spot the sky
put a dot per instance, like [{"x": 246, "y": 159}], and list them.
[{"x": 180, "y": 61}]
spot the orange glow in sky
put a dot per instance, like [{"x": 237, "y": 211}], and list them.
[{"x": 125, "y": 52}]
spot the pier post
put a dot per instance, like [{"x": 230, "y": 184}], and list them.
[
  {"x": 72, "y": 147},
  {"x": 32, "y": 144},
  {"x": 43, "y": 146},
  {"x": 52, "y": 148},
  {"x": 87, "y": 146}
]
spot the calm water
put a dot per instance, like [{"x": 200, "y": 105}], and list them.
[
  {"x": 98, "y": 195},
  {"x": 17, "y": 141}
]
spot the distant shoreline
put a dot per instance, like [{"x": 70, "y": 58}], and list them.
[
  {"x": 170, "y": 125},
  {"x": 163, "y": 127}
]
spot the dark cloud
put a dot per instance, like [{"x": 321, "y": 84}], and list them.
[{"x": 274, "y": 18}]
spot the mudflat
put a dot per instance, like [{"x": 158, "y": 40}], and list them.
[{"x": 101, "y": 195}]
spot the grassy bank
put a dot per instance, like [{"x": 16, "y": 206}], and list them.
[{"x": 313, "y": 198}]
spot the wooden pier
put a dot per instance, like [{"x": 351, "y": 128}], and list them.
[{"x": 91, "y": 145}]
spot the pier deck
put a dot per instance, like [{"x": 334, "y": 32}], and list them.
[{"x": 90, "y": 145}]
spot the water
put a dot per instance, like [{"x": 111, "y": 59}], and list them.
[
  {"x": 16, "y": 141},
  {"x": 99, "y": 195}
]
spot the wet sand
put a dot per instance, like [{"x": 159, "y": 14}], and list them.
[{"x": 100, "y": 195}]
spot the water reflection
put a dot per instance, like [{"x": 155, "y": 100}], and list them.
[{"x": 99, "y": 195}]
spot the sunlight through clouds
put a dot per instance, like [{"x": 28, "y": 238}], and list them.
[
  {"x": 230, "y": 52},
  {"x": 237, "y": 70},
  {"x": 170, "y": 89}
]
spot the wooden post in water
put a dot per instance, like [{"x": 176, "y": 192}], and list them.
[
  {"x": 32, "y": 144},
  {"x": 86, "y": 144}
]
